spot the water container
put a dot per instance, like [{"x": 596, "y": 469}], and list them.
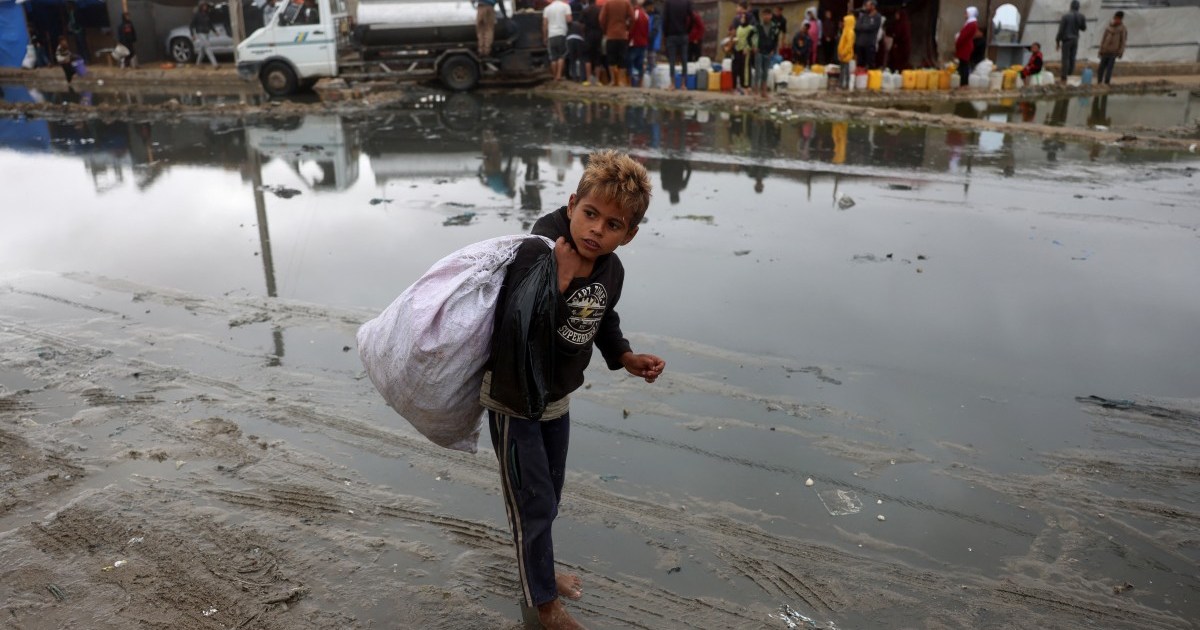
[
  {"x": 955, "y": 81},
  {"x": 727, "y": 64},
  {"x": 691, "y": 80},
  {"x": 1010, "y": 79},
  {"x": 785, "y": 68},
  {"x": 875, "y": 80},
  {"x": 703, "y": 62},
  {"x": 908, "y": 79},
  {"x": 977, "y": 82},
  {"x": 995, "y": 81},
  {"x": 714, "y": 81},
  {"x": 944, "y": 79},
  {"x": 662, "y": 76},
  {"x": 818, "y": 68},
  {"x": 860, "y": 80},
  {"x": 702, "y": 116},
  {"x": 920, "y": 80},
  {"x": 1086, "y": 76},
  {"x": 701, "y": 80},
  {"x": 727, "y": 80}
]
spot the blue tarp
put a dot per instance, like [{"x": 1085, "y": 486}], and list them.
[
  {"x": 23, "y": 134},
  {"x": 14, "y": 36}
]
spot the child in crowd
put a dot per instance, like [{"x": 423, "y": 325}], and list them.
[{"x": 602, "y": 214}]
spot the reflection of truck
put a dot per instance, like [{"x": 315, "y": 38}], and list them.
[
  {"x": 317, "y": 148},
  {"x": 409, "y": 39}
]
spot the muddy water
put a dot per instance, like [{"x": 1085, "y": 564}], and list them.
[
  {"x": 1180, "y": 109},
  {"x": 907, "y": 316}
]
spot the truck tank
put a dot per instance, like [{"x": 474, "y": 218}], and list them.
[{"x": 417, "y": 22}]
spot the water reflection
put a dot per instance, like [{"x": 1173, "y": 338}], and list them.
[
  {"x": 1156, "y": 111},
  {"x": 508, "y": 144}
]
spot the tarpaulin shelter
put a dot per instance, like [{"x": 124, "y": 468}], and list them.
[{"x": 14, "y": 35}]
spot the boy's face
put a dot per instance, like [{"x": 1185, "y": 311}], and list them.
[{"x": 598, "y": 226}]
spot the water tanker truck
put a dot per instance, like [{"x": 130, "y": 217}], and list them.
[{"x": 399, "y": 39}]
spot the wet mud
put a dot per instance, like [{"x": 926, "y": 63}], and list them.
[{"x": 983, "y": 363}]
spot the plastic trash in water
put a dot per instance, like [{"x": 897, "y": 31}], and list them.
[
  {"x": 840, "y": 502},
  {"x": 793, "y": 619}
]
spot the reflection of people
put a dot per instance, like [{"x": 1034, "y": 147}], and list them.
[
  {"x": 1099, "y": 112},
  {"x": 1058, "y": 115},
  {"x": 603, "y": 214},
  {"x": 202, "y": 28},
  {"x": 964, "y": 46},
  {"x": 1112, "y": 47},
  {"x": 76, "y": 31},
  {"x": 675, "y": 176},
  {"x": 493, "y": 172},
  {"x": 840, "y": 132},
  {"x": 1067, "y": 39}
]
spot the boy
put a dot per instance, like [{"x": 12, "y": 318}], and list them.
[
  {"x": 1112, "y": 47},
  {"x": 603, "y": 214},
  {"x": 768, "y": 46}
]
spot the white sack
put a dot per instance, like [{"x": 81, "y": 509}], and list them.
[
  {"x": 425, "y": 353},
  {"x": 30, "y": 59}
]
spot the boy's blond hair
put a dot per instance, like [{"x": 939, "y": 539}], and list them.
[{"x": 616, "y": 177}]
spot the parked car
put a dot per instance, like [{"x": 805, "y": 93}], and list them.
[{"x": 180, "y": 47}]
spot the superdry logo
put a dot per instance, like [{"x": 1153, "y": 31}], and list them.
[{"x": 587, "y": 308}]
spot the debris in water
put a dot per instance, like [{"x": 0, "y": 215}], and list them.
[
  {"x": 702, "y": 218},
  {"x": 881, "y": 517},
  {"x": 624, "y": 413},
  {"x": 283, "y": 192},
  {"x": 808, "y": 483},
  {"x": 741, "y": 252},
  {"x": 378, "y": 200},
  {"x": 1121, "y": 588},
  {"x": 56, "y": 592},
  {"x": 844, "y": 201},
  {"x": 459, "y": 219},
  {"x": 608, "y": 478},
  {"x": 840, "y": 502},
  {"x": 899, "y": 187},
  {"x": 208, "y": 612},
  {"x": 674, "y": 570}
]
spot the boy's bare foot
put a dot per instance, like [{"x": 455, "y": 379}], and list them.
[
  {"x": 553, "y": 616},
  {"x": 569, "y": 586}
]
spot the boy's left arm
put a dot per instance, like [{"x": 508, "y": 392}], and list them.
[{"x": 618, "y": 354}]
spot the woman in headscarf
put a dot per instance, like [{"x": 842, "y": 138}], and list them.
[
  {"x": 964, "y": 46},
  {"x": 813, "y": 34}
]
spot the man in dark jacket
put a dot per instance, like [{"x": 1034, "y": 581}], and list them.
[
  {"x": 1067, "y": 39},
  {"x": 202, "y": 30},
  {"x": 127, "y": 37},
  {"x": 677, "y": 24},
  {"x": 866, "y": 35}
]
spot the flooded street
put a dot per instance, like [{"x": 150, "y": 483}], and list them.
[{"x": 979, "y": 346}]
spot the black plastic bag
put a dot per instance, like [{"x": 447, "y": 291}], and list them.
[{"x": 523, "y": 341}]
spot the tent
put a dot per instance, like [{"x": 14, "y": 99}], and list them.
[{"x": 14, "y": 36}]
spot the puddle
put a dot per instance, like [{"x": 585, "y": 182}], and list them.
[{"x": 925, "y": 352}]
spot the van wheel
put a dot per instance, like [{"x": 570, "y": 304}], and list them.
[
  {"x": 459, "y": 73},
  {"x": 278, "y": 79},
  {"x": 182, "y": 50}
]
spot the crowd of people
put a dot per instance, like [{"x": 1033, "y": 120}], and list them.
[{"x": 620, "y": 42}]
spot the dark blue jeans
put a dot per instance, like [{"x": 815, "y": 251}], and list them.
[
  {"x": 637, "y": 64},
  {"x": 533, "y": 460},
  {"x": 1106, "y": 67}
]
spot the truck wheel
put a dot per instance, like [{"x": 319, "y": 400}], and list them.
[
  {"x": 459, "y": 73},
  {"x": 278, "y": 79}
]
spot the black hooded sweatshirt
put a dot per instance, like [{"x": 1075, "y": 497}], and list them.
[{"x": 586, "y": 310}]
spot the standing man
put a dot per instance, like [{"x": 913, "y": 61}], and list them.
[
  {"x": 866, "y": 35},
  {"x": 677, "y": 23},
  {"x": 555, "y": 18},
  {"x": 1112, "y": 46},
  {"x": 828, "y": 38},
  {"x": 268, "y": 11},
  {"x": 485, "y": 24},
  {"x": 656, "y": 35},
  {"x": 202, "y": 28},
  {"x": 1067, "y": 40},
  {"x": 616, "y": 16},
  {"x": 127, "y": 37}
]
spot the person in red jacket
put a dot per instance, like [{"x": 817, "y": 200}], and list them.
[
  {"x": 964, "y": 46},
  {"x": 639, "y": 40},
  {"x": 695, "y": 37}
]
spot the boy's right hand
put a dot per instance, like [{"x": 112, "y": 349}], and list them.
[{"x": 570, "y": 263}]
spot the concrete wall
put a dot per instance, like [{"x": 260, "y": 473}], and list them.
[{"x": 1170, "y": 34}]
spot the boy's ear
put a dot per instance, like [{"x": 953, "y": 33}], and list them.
[
  {"x": 629, "y": 235},
  {"x": 571, "y": 204}
]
